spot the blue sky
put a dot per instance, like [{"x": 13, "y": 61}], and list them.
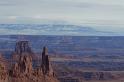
[{"x": 104, "y": 15}]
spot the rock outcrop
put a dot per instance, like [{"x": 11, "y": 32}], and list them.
[
  {"x": 46, "y": 66},
  {"x": 3, "y": 70},
  {"x": 22, "y": 46},
  {"x": 23, "y": 67},
  {"x": 23, "y": 70}
]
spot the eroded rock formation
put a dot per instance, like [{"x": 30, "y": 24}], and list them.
[
  {"x": 3, "y": 70},
  {"x": 46, "y": 66},
  {"x": 22, "y": 46},
  {"x": 23, "y": 66},
  {"x": 23, "y": 70}
]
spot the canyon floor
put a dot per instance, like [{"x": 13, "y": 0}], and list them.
[{"x": 72, "y": 58}]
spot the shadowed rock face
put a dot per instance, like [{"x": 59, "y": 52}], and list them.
[
  {"x": 45, "y": 61},
  {"x": 22, "y": 46},
  {"x": 46, "y": 66}
]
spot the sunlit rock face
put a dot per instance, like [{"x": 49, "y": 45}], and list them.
[
  {"x": 23, "y": 66},
  {"x": 3, "y": 70}
]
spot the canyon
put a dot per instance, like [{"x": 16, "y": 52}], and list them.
[{"x": 66, "y": 58}]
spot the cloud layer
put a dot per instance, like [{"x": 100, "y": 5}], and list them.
[{"x": 103, "y": 15}]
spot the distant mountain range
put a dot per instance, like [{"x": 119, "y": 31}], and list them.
[{"x": 51, "y": 29}]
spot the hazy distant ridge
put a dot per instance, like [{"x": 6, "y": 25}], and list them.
[{"x": 50, "y": 29}]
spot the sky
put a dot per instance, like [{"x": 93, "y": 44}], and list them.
[{"x": 104, "y": 15}]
